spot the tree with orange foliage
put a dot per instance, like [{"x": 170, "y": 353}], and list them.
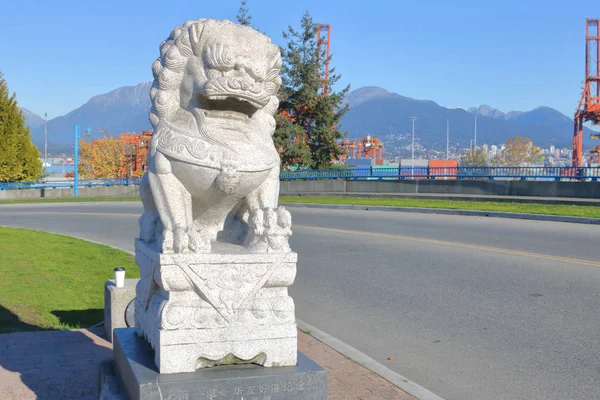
[
  {"x": 101, "y": 158},
  {"x": 519, "y": 152},
  {"x": 114, "y": 157}
]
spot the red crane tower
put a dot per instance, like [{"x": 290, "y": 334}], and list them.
[
  {"x": 370, "y": 147},
  {"x": 367, "y": 147},
  {"x": 589, "y": 105}
]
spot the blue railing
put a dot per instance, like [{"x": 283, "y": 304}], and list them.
[
  {"x": 491, "y": 173},
  {"x": 69, "y": 183},
  {"x": 387, "y": 173}
]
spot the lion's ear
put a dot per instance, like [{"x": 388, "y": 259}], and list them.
[{"x": 196, "y": 30}]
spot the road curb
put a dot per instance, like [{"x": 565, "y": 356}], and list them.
[
  {"x": 360, "y": 358},
  {"x": 445, "y": 211}
]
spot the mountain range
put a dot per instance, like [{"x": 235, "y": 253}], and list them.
[
  {"x": 373, "y": 110},
  {"x": 31, "y": 119},
  {"x": 376, "y": 111},
  {"x": 122, "y": 110}
]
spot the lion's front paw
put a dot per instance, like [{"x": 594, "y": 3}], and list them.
[
  {"x": 256, "y": 222},
  {"x": 180, "y": 240},
  {"x": 166, "y": 241}
]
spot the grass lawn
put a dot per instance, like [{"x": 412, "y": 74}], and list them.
[
  {"x": 526, "y": 208},
  {"x": 50, "y": 281}
]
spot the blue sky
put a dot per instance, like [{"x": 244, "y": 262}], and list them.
[{"x": 512, "y": 55}]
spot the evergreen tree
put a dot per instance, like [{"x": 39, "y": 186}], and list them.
[
  {"x": 243, "y": 17},
  {"x": 18, "y": 156},
  {"x": 308, "y": 127}
]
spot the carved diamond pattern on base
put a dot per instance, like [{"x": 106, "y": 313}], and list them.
[{"x": 229, "y": 288}]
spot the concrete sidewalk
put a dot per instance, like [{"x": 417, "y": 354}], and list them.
[{"x": 51, "y": 365}]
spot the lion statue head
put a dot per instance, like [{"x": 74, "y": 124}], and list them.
[{"x": 216, "y": 83}]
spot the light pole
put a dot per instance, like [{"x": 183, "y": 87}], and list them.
[
  {"x": 412, "y": 164},
  {"x": 76, "y": 160},
  {"x": 45, "y": 139},
  {"x": 475, "y": 138},
  {"x": 447, "y": 139}
]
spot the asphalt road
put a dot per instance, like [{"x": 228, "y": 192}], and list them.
[{"x": 471, "y": 307}]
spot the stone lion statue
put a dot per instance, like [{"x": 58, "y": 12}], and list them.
[{"x": 213, "y": 170}]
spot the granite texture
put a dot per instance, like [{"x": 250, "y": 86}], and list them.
[
  {"x": 141, "y": 380},
  {"x": 213, "y": 170},
  {"x": 213, "y": 250},
  {"x": 200, "y": 310},
  {"x": 116, "y": 301}
]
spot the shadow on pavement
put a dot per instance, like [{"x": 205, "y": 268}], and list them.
[
  {"x": 10, "y": 322},
  {"x": 49, "y": 364}
]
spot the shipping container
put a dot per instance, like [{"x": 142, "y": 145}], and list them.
[
  {"x": 359, "y": 162},
  {"x": 414, "y": 169},
  {"x": 416, "y": 163},
  {"x": 442, "y": 168}
]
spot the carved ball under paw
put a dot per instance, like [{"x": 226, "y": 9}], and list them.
[
  {"x": 197, "y": 242},
  {"x": 260, "y": 245}
]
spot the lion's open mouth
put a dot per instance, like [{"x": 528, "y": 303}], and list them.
[{"x": 230, "y": 108}]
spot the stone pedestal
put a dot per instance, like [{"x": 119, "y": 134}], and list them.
[
  {"x": 214, "y": 253},
  {"x": 140, "y": 379},
  {"x": 116, "y": 301},
  {"x": 227, "y": 307}
]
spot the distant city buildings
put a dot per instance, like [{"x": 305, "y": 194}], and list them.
[{"x": 553, "y": 156}]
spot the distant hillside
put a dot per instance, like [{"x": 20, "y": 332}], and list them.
[
  {"x": 31, "y": 119},
  {"x": 373, "y": 110},
  {"x": 488, "y": 111},
  {"x": 122, "y": 110},
  {"x": 540, "y": 117},
  {"x": 378, "y": 112}
]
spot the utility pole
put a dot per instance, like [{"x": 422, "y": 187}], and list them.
[
  {"x": 76, "y": 159},
  {"x": 412, "y": 165},
  {"x": 447, "y": 139},
  {"x": 45, "y": 139},
  {"x": 475, "y": 141}
]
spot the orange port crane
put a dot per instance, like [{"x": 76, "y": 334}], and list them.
[
  {"x": 370, "y": 147},
  {"x": 367, "y": 147},
  {"x": 589, "y": 105},
  {"x": 348, "y": 149}
]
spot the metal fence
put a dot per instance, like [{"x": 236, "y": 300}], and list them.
[
  {"x": 69, "y": 183},
  {"x": 490, "y": 173},
  {"x": 369, "y": 173}
]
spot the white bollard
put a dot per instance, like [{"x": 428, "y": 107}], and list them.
[{"x": 120, "y": 276}]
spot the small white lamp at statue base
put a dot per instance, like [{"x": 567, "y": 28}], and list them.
[{"x": 120, "y": 276}]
